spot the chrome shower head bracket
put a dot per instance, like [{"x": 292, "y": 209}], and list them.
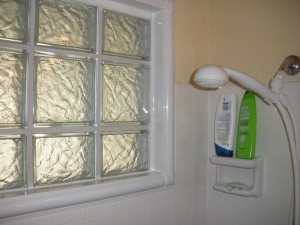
[{"x": 291, "y": 65}]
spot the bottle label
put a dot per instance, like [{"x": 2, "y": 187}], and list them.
[
  {"x": 244, "y": 126},
  {"x": 223, "y": 123}
]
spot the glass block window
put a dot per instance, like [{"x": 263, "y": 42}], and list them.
[
  {"x": 13, "y": 20},
  {"x": 64, "y": 89},
  {"x": 12, "y": 162},
  {"x": 126, "y": 88},
  {"x": 58, "y": 21},
  {"x": 12, "y": 86},
  {"x": 126, "y": 35},
  {"x": 78, "y": 109},
  {"x": 85, "y": 112},
  {"x": 124, "y": 153},
  {"x": 63, "y": 158}
]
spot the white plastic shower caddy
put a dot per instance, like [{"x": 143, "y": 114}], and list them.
[{"x": 239, "y": 176}]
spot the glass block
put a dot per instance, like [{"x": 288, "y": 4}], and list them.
[
  {"x": 125, "y": 93},
  {"x": 66, "y": 24},
  {"x": 13, "y": 21},
  {"x": 64, "y": 89},
  {"x": 126, "y": 35},
  {"x": 12, "y": 86},
  {"x": 11, "y": 162},
  {"x": 124, "y": 153},
  {"x": 60, "y": 159}
]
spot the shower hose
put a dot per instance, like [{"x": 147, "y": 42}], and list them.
[{"x": 290, "y": 123}]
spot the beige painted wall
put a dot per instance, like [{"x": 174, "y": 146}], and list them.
[
  {"x": 253, "y": 36},
  {"x": 191, "y": 37}
]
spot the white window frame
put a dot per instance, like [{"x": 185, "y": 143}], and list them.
[{"x": 161, "y": 173}]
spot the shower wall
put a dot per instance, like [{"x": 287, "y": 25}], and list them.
[
  {"x": 253, "y": 37},
  {"x": 272, "y": 208}
]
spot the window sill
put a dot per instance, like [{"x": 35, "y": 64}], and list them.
[{"x": 32, "y": 203}]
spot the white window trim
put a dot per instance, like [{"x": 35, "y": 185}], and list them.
[{"x": 161, "y": 172}]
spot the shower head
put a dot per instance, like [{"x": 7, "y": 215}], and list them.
[
  {"x": 291, "y": 65},
  {"x": 213, "y": 76}
]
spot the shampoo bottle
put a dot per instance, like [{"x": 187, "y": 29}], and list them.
[
  {"x": 225, "y": 125},
  {"x": 246, "y": 130}
]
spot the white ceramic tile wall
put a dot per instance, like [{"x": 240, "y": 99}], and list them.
[
  {"x": 183, "y": 204},
  {"x": 272, "y": 208},
  {"x": 192, "y": 201}
]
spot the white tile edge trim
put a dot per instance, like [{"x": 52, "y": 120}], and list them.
[{"x": 33, "y": 203}]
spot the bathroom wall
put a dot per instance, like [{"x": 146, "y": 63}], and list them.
[
  {"x": 251, "y": 36},
  {"x": 197, "y": 128},
  {"x": 272, "y": 208},
  {"x": 195, "y": 113},
  {"x": 191, "y": 37},
  {"x": 254, "y": 37}
]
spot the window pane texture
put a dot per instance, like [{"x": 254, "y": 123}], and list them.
[
  {"x": 88, "y": 120},
  {"x": 124, "y": 153},
  {"x": 60, "y": 20},
  {"x": 125, "y": 93},
  {"x": 13, "y": 22},
  {"x": 12, "y": 83},
  {"x": 65, "y": 158},
  {"x": 126, "y": 35},
  {"x": 64, "y": 89},
  {"x": 12, "y": 162}
]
